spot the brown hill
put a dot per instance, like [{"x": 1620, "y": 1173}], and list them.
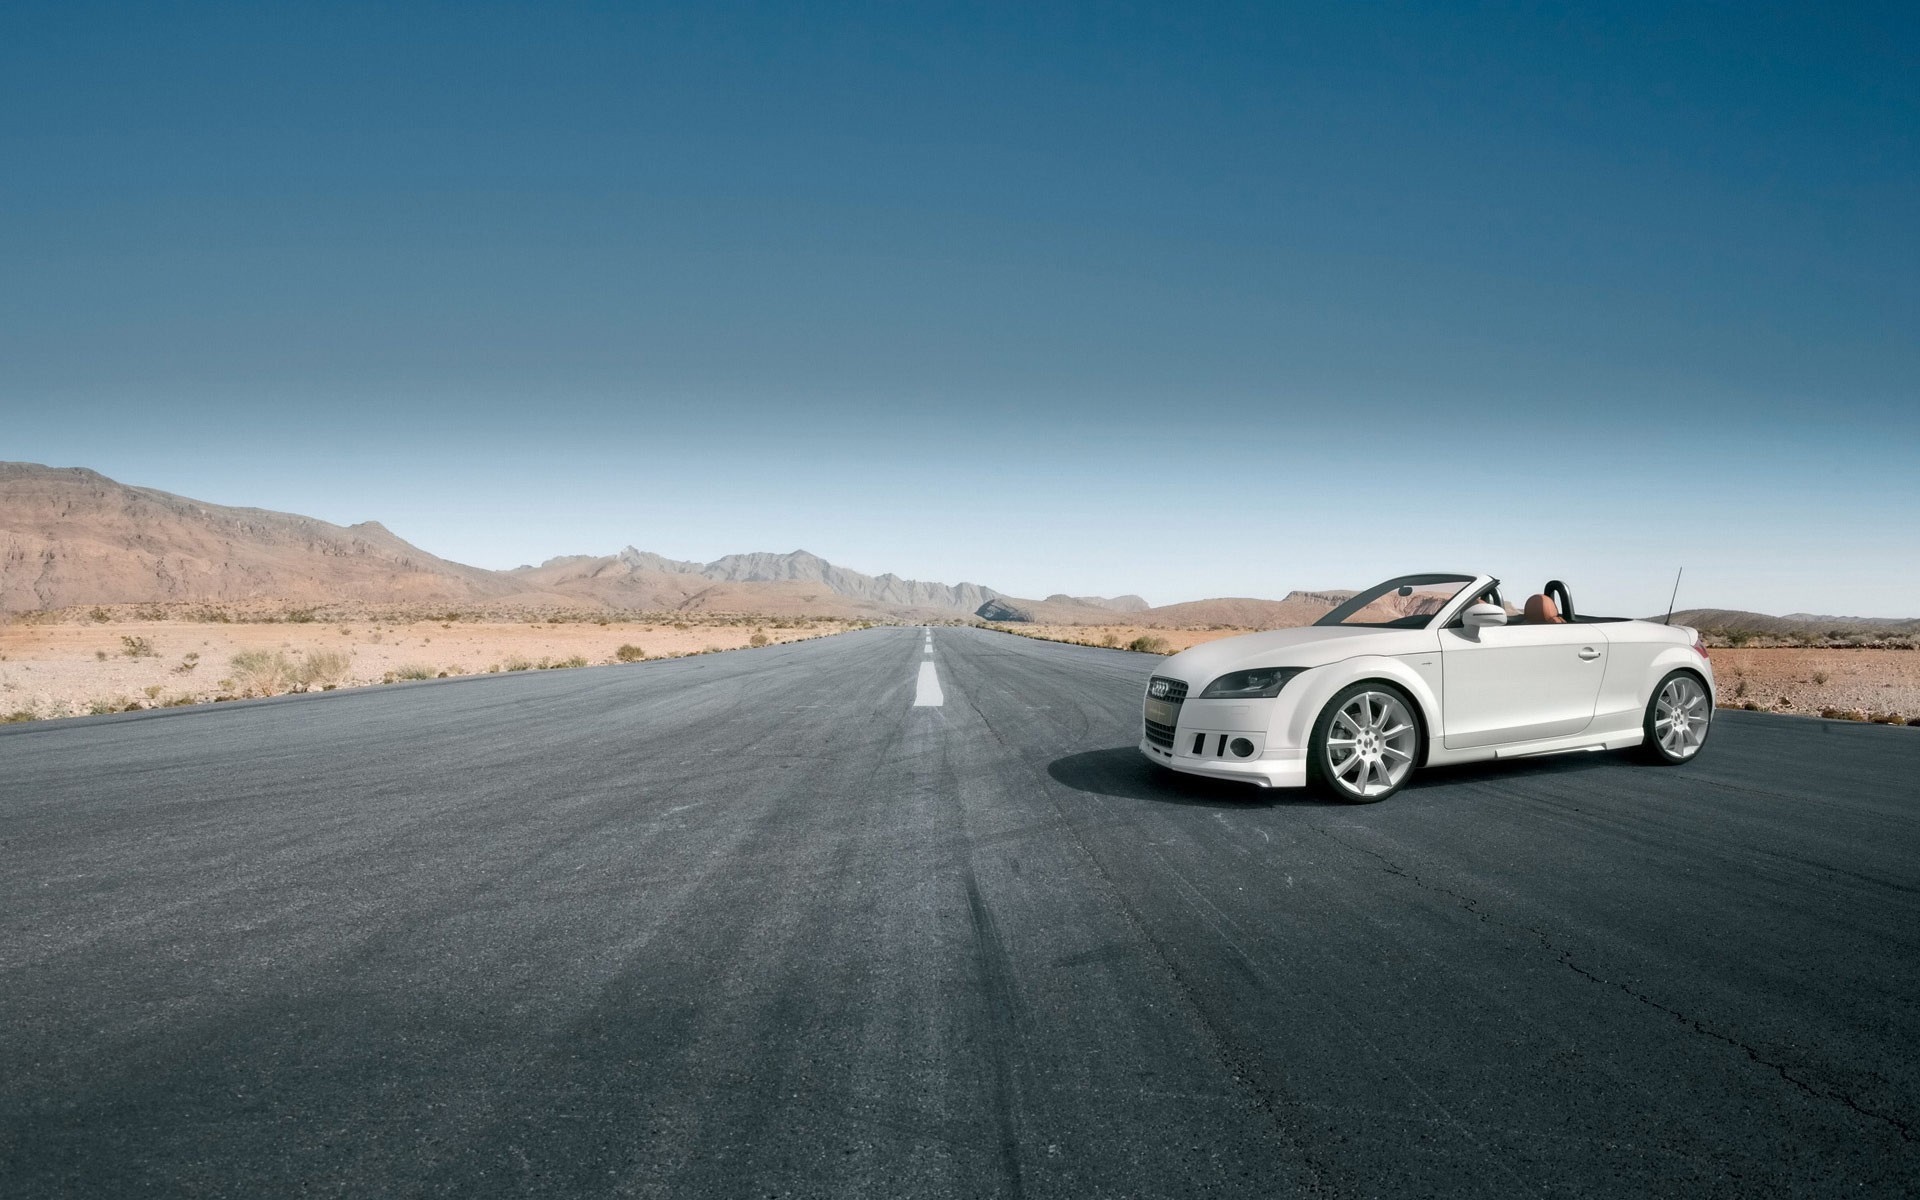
[
  {"x": 72, "y": 536},
  {"x": 1730, "y": 621}
]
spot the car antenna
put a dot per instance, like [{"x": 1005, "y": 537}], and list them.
[{"x": 1676, "y": 593}]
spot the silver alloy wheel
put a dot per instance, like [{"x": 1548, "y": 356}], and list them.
[
  {"x": 1680, "y": 717},
  {"x": 1370, "y": 744}
]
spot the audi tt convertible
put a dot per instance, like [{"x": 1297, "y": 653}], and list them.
[{"x": 1427, "y": 669}]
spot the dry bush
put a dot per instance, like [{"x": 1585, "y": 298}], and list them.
[
  {"x": 321, "y": 667},
  {"x": 261, "y": 672},
  {"x": 516, "y": 663},
  {"x": 758, "y": 639},
  {"x": 1149, "y": 645},
  {"x": 412, "y": 671},
  {"x": 629, "y": 653}
]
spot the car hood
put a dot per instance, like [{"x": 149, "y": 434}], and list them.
[{"x": 1308, "y": 646}]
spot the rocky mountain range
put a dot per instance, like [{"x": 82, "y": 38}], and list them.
[
  {"x": 71, "y": 536},
  {"x": 798, "y": 567},
  {"x": 1736, "y": 621}
]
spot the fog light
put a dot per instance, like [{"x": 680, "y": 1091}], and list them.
[{"x": 1241, "y": 747}]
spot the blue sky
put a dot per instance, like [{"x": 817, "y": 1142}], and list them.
[{"x": 1183, "y": 299}]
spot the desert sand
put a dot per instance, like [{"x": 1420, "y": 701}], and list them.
[{"x": 81, "y": 667}]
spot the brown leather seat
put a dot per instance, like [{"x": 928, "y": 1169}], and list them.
[{"x": 1542, "y": 611}]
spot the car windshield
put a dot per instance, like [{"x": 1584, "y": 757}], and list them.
[{"x": 1408, "y": 602}]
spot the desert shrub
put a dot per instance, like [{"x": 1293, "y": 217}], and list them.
[
  {"x": 152, "y": 690},
  {"x": 575, "y": 661},
  {"x": 413, "y": 671},
  {"x": 260, "y": 672},
  {"x": 516, "y": 663},
  {"x": 100, "y": 708},
  {"x": 1888, "y": 719},
  {"x": 99, "y": 614},
  {"x": 1753, "y": 706},
  {"x": 1843, "y": 714},
  {"x": 136, "y": 647},
  {"x": 100, "y": 655},
  {"x": 629, "y": 653},
  {"x": 300, "y": 616},
  {"x": 1110, "y": 641},
  {"x": 1819, "y": 677},
  {"x": 1740, "y": 688},
  {"x": 321, "y": 667},
  {"x": 1149, "y": 645},
  {"x": 758, "y": 639},
  {"x": 682, "y": 626},
  {"x": 19, "y": 716}
]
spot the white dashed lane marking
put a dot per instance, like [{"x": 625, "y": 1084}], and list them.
[{"x": 926, "y": 692}]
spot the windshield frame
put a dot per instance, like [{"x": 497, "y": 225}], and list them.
[{"x": 1360, "y": 599}]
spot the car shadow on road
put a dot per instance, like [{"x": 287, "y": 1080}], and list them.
[{"x": 1123, "y": 771}]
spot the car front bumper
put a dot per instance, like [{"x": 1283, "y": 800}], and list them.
[{"x": 1275, "y": 767}]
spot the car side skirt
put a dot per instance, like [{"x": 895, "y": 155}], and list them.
[{"x": 1614, "y": 735}]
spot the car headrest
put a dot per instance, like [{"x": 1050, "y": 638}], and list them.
[{"x": 1542, "y": 611}]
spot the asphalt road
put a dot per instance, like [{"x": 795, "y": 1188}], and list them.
[{"x": 754, "y": 924}]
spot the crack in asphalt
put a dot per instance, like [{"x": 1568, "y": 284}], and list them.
[{"x": 1565, "y": 958}]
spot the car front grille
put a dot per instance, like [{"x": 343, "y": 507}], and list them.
[{"x": 1160, "y": 733}]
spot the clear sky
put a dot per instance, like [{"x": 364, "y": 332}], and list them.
[{"x": 1182, "y": 299}]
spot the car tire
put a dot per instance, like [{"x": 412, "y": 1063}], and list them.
[
  {"x": 1664, "y": 745},
  {"x": 1369, "y": 732}
]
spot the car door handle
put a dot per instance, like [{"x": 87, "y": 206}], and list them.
[{"x": 1589, "y": 653}]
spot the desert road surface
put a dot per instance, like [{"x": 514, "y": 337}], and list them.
[{"x": 891, "y": 915}]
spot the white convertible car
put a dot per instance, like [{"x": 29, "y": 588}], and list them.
[{"x": 1427, "y": 669}]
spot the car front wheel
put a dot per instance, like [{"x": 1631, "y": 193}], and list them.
[
  {"x": 1677, "y": 719},
  {"x": 1365, "y": 744}
]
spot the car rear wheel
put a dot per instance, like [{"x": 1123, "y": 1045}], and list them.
[
  {"x": 1678, "y": 717},
  {"x": 1365, "y": 744}
]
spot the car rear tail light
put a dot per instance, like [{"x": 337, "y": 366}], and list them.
[{"x": 1699, "y": 644}]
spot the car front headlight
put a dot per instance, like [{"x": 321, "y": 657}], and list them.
[{"x": 1260, "y": 684}]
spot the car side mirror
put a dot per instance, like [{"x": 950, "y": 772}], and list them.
[{"x": 1479, "y": 616}]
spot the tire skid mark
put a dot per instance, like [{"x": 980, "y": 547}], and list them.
[{"x": 1003, "y": 1023}]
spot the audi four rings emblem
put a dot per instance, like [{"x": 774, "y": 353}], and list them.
[{"x": 1159, "y": 688}]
